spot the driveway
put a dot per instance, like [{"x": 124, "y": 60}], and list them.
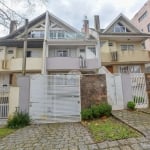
[{"x": 73, "y": 136}]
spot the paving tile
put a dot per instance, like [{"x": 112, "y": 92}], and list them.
[{"x": 103, "y": 145}]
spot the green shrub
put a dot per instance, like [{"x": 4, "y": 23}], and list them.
[
  {"x": 86, "y": 114},
  {"x": 19, "y": 120},
  {"x": 131, "y": 105},
  {"x": 105, "y": 109},
  {"x": 95, "y": 111}
]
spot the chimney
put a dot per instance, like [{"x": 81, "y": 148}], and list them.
[
  {"x": 85, "y": 28},
  {"x": 13, "y": 26},
  {"x": 97, "y": 23}
]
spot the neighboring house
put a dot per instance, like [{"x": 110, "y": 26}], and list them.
[
  {"x": 54, "y": 47},
  {"x": 142, "y": 21},
  {"x": 121, "y": 47}
]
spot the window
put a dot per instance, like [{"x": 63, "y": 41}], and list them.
[
  {"x": 53, "y": 34},
  {"x": 10, "y": 52},
  {"x": 61, "y": 35},
  {"x": 93, "y": 50},
  {"x": 37, "y": 34},
  {"x": 148, "y": 27},
  {"x": 120, "y": 28},
  {"x": 126, "y": 47},
  {"x": 130, "y": 69},
  {"x": 57, "y": 34},
  {"x": 110, "y": 44},
  {"x": 62, "y": 53},
  {"x": 28, "y": 54},
  {"x": 143, "y": 16}
]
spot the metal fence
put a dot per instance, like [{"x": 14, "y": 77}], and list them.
[{"x": 4, "y": 100}]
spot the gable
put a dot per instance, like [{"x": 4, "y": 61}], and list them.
[
  {"x": 121, "y": 25},
  {"x": 37, "y": 26}
]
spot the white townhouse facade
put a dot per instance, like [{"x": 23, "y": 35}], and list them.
[{"x": 53, "y": 47}]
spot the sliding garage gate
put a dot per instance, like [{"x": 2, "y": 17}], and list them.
[{"x": 55, "y": 98}]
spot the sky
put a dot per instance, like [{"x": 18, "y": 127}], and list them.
[{"x": 73, "y": 11}]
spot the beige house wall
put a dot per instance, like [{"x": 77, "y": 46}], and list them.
[{"x": 13, "y": 99}]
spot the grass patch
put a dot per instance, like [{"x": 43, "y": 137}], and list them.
[
  {"x": 5, "y": 131},
  {"x": 109, "y": 129}
]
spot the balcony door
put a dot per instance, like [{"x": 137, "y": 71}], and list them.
[{"x": 82, "y": 53}]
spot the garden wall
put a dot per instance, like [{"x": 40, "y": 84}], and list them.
[{"x": 93, "y": 90}]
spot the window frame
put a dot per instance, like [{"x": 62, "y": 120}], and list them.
[{"x": 128, "y": 47}]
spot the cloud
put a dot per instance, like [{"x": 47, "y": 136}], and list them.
[{"x": 73, "y": 11}]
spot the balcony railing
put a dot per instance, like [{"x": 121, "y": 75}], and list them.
[
  {"x": 67, "y": 36},
  {"x": 57, "y": 35},
  {"x": 71, "y": 63},
  {"x": 31, "y": 64},
  {"x": 125, "y": 56}
]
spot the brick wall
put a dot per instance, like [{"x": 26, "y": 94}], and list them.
[{"x": 93, "y": 90}]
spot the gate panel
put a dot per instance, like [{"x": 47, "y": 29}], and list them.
[
  {"x": 55, "y": 98},
  {"x": 139, "y": 94},
  {"x": 4, "y": 95},
  {"x": 114, "y": 91}
]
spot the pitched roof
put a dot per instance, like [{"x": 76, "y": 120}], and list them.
[
  {"x": 124, "y": 18},
  {"x": 35, "y": 21}
]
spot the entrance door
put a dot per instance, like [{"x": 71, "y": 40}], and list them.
[{"x": 114, "y": 91}]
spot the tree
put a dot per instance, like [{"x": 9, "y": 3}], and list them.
[{"x": 7, "y": 14}]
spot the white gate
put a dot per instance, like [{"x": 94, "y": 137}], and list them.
[
  {"x": 139, "y": 94},
  {"x": 114, "y": 91},
  {"x": 55, "y": 98},
  {"x": 4, "y": 95}
]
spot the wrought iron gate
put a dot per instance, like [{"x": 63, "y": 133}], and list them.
[
  {"x": 139, "y": 94},
  {"x": 4, "y": 100},
  {"x": 55, "y": 98}
]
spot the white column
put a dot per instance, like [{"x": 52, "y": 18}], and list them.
[{"x": 45, "y": 46}]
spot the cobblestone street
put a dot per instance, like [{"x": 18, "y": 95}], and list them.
[{"x": 73, "y": 136}]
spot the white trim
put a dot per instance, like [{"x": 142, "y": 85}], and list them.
[{"x": 124, "y": 18}]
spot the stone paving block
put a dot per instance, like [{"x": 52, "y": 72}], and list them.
[
  {"x": 83, "y": 147},
  {"x": 132, "y": 140},
  {"x": 114, "y": 148},
  {"x": 145, "y": 145},
  {"x": 123, "y": 142},
  {"x": 93, "y": 147},
  {"x": 103, "y": 145},
  {"x": 136, "y": 147},
  {"x": 113, "y": 143},
  {"x": 73, "y": 148},
  {"x": 125, "y": 147},
  {"x": 142, "y": 139}
]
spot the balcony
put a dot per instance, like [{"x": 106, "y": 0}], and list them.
[
  {"x": 71, "y": 63},
  {"x": 139, "y": 56},
  {"x": 32, "y": 64}
]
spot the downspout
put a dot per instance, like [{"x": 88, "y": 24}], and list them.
[{"x": 45, "y": 46}]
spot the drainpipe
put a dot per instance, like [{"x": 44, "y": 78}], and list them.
[{"x": 45, "y": 46}]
